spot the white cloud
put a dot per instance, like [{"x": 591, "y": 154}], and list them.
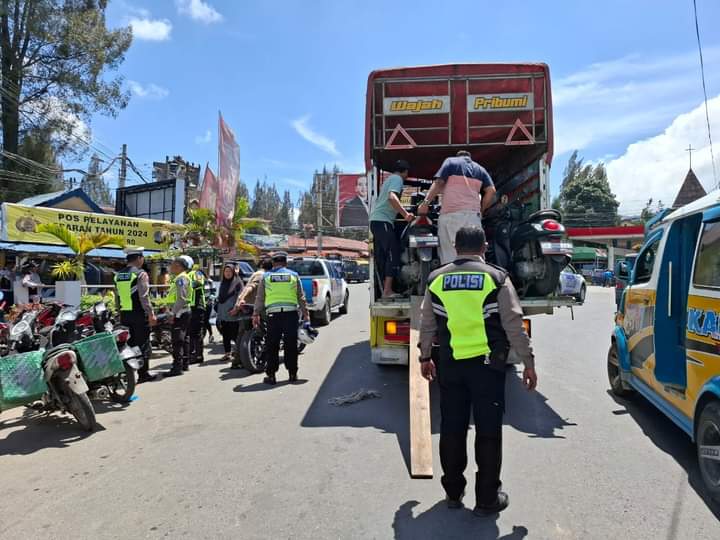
[
  {"x": 627, "y": 98},
  {"x": 204, "y": 139},
  {"x": 655, "y": 167},
  {"x": 306, "y": 132},
  {"x": 57, "y": 114},
  {"x": 199, "y": 11},
  {"x": 149, "y": 91},
  {"x": 149, "y": 29}
]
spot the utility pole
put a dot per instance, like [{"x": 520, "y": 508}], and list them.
[
  {"x": 123, "y": 167},
  {"x": 319, "y": 195}
]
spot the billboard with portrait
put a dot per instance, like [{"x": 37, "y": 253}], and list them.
[{"x": 352, "y": 200}]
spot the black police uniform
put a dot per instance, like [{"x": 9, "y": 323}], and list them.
[
  {"x": 472, "y": 310},
  {"x": 135, "y": 318}
]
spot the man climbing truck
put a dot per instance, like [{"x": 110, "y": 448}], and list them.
[{"x": 502, "y": 115}]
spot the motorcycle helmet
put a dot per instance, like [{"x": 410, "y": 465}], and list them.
[
  {"x": 186, "y": 261},
  {"x": 307, "y": 334}
]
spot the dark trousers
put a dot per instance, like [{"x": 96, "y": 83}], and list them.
[
  {"x": 229, "y": 331},
  {"x": 206, "y": 322},
  {"x": 282, "y": 326},
  {"x": 180, "y": 341},
  {"x": 197, "y": 323},
  {"x": 467, "y": 385},
  {"x": 139, "y": 328}
]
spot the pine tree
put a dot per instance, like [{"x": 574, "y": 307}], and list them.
[
  {"x": 284, "y": 219},
  {"x": 585, "y": 195}
]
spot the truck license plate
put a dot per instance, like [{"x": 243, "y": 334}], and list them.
[{"x": 555, "y": 248}]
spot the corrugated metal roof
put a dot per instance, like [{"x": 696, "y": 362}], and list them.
[{"x": 103, "y": 253}]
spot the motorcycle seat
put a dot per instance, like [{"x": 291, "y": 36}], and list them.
[{"x": 546, "y": 213}]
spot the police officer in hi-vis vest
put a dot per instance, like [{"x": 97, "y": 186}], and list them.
[
  {"x": 472, "y": 311},
  {"x": 197, "y": 316},
  {"x": 279, "y": 298},
  {"x": 133, "y": 299},
  {"x": 180, "y": 298}
]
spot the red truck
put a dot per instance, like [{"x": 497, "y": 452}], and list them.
[{"x": 501, "y": 113}]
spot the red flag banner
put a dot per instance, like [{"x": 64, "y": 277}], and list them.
[
  {"x": 352, "y": 199},
  {"x": 228, "y": 173},
  {"x": 208, "y": 195}
]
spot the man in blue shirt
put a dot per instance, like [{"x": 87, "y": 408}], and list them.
[
  {"x": 386, "y": 245},
  {"x": 467, "y": 190}
]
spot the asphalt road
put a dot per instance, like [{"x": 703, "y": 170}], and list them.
[{"x": 216, "y": 454}]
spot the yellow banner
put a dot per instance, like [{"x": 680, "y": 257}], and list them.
[{"x": 20, "y": 223}]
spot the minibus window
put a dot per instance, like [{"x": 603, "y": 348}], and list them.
[
  {"x": 646, "y": 262},
  {"x": 707, "y": 266}
]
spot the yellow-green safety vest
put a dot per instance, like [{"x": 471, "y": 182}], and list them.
[
  {"x": 197, "y": 283},
  {"x": 280, "y": 290},
  {"x": 171, "y": 297},
  {"x": 463, "y": 296},
  {"x": 126, "y": 283}
]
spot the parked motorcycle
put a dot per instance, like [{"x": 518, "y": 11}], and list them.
[
  {"x": 48, "y": 381},
  {"x": 161, "y": 335},
  {"x": 253, "y": 342},
  {"x": 23, "y": 336},
  {"x": 106, "y": 377},
  {"x": 534, "y": 249}
]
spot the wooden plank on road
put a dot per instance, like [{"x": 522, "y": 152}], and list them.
[{"x": 420, "y": 430}]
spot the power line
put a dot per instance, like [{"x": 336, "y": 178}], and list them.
[{"x": 702, "y": 74}]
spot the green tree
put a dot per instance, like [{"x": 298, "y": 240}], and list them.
[
  {"x": 40, "y": 175},
  {"x": 649, "y": 211},
  {"x": 81, "y": 244},
  {"x": 585, "y": 196},
  {"x": 56, "y": 59},
  {"x": 283, "y": 222}
]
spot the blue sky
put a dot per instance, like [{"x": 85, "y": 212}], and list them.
[{"x": 290, "y": 76}]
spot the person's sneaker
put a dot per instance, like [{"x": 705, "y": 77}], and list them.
[
  {"x": 270, "y": 379},
  {"x": 173, "y": 373},
  {"x": 454, "y": 504},
  {"x": 293, "y": 377},
  {"x": 235, "y": 366},
  {"x": 146, "y": 378},
  {"x": 186, "y": 367},
  {"x": 211, "y": 339},
  {"x": 499, "y": 505}
]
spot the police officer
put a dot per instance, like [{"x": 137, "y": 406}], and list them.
[
  {"x": 180, "y": 298},
  {"x": 472, "y": 310},
  {"x": 133, "y": 294},
  {"x": 197, "y": 316},
  {"x": 279, "y": 297}
]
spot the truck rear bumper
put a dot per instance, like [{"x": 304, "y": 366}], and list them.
[{"x": 397, "y": 356}]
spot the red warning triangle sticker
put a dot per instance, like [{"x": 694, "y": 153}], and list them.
[
  {"x": 399, "y": 130},
  {"x": 519, "y": 125}
]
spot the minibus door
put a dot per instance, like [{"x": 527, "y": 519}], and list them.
[{"x": 671, "y": 302}]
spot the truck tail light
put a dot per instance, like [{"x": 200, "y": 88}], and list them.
[
  {"x": 551, "y": 225},
  {"x": 423, "y": 220},
  {"x": 66, "y": 360},
  {"x": 315, "y": 288},
  {"x": 397, "y": 331}
]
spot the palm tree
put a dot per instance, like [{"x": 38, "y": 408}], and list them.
[{"x": 81, "y": 244}]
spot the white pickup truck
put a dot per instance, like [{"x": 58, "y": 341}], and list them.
[{"x": 324, "y": 285}]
